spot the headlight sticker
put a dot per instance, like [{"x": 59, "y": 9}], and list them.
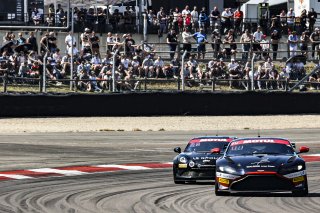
[
  {"x": 182, "y": 166},
  {"x": 296, "y": 174},
  {"x": 227, "y": 176},
  {"x": 298, "y": 179}
]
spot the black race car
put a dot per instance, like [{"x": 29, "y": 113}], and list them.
[
  {"x": 197, "y": 161},
  {"x": 261, "y": 165}
]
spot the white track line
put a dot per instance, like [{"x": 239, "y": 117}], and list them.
[
  {"x": 124, "y": 167},
  {"x": 19, "y": 177},
  {"x": 59, "y": 171}
]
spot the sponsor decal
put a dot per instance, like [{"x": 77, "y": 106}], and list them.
[
  {"x": 296, "y": 174},
  {"x": 263, "y": 163},
  {"x": 260, "y": 141},
  {"x": 227, "y": 176},
  {"x": 182, "y": 166},
  {"x": 213, "y": 139},
  {"x": 223, "y": 180},
  {"x": 298, "y": 179}
]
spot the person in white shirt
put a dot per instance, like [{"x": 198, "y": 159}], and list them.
[
  {"x": 185, "y": 11},
  {"x": 290, "y": 19},
  {"x": 195, "y": 19},
  {"x": 226, "y": 20},
  {"x": 293, "y": 40},
  {"x": 158, "y": 65},
  {"x": 69, "y": 39},
  {"x": 257, "y": 37}
]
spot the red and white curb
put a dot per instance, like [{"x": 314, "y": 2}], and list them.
[
  {"x": 77, "y": 170},
  {"x": 84, "y": 170}
]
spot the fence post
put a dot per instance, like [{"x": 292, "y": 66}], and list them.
[
  {"x": 213, "y": 84},
  {"x": 252, "y": 71},
  {"x": 5, "y": 82},
  {"x": 178, "y": 82},
  {"x": 44, "y": 73},
  {"x": 145, "y": 83},
  {"x": 114, "y": 70},
  {"x": 182, "y": 70}
]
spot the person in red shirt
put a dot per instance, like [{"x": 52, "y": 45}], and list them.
[{"x": 238, "y": 17}]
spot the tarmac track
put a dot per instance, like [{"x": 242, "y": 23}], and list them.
[{"x": 132, "y": 191}]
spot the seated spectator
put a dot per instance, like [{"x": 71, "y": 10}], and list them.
[
  {"x": 192, "y": 65},
  {"x": 93, "y": 84},
  {"x": 234, "y": 72},
  {"x": 148, "y": 66},
  {"x": 159, "y": 66},
  {"x": 175, "y": 67},
  {"x": 83, "y": 83},
  {"x": 315, "y": 81},
  {"x": 274, "y": 78},
  {"x": 24, "y": 70}
]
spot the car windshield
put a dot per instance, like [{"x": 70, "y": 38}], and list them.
[
  {"x": 259, "y": 148},
  {"x": 205, "y": 146}
]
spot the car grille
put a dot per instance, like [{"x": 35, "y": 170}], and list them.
[
  {"x": 198, "y": 173},
  {"x": 262, "y": 183}
]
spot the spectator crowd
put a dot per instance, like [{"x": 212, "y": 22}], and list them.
[{"x": 23, "y": 56}]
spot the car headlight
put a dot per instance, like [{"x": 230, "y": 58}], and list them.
[
  {"x": 183, "y": 160},
  {"x": 227, "y": 169},
  {"x": 291, "y": 169}
]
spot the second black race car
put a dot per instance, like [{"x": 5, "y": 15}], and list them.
[
  {"x": 261, "y": 165},
  {"x": 198, "y": 160}
]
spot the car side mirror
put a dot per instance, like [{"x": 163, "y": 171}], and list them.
[
  {"x": 177, "y": 150},
  {"x": 303, "y": 149},
  {"x": 215, "y": 151},
  {"x": 293, "y": 145}
]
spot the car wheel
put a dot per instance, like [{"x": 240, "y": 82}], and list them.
[
  {"x": 302, "y": 192},
  {"x": 219, "y": 193}
]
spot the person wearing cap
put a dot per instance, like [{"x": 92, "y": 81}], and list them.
[
  {"x": 315, "y": 40},
  {"x": 275, "y": 38},
  {"x": 84, "y": 40},
  {"x": 216, "y": 42},
  {"x": 293, "y": 43}
]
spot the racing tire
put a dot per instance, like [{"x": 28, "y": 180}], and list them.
[
  {"x": 219, "y": 193},
  {"x": 302, "y": 192}
]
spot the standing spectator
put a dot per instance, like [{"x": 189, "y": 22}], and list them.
[
  {"x": 188, "y": 22},
  {"x": 33, "y": 41},
  {"x": 201, "y": 39},
  {"x": 216, "y": 42},
  {"x": 85, "y": 42},
  {"x": 186, "y": 40},
  {"x": 203, "y": 18},
  {"x": 214, "y": 18},
  {"x": 94, "y": 41},
  {"x": 225, "y": 20},
  {"x": 109, "y": 41},
  {"x": 230, "y": 40},
  {"x": 172, "y": 42},
  {"x": 303, "y": 20},
  {"x": 275, "y": 38},
  {"x": 290, "y": 20},
  {"x": 238, "y": 17},
  {"x": 195, "y": 19},
  {"x": 52, "y": 42},
  {"x": 185, "y": 11},
  {"x": 315, "y": 40},
  {"x": 312, "y": 17},
  {"x": 293, "y": 43},
  {"x": 176, "y": 14},
  {"x": 257, "y": 37},
  {"x": 68, "y": 41},
  {"x": 44, "y": 43},
  {"x": 162, "y": 19},
  {"x": 283, "y": 21},
  {"x": 246, "y": 40},
  {"x": 304, "y": 39},
  {"x": 265, "y": 46}
]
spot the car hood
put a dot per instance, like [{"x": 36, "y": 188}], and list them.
[{"x": 259, "y": 162}]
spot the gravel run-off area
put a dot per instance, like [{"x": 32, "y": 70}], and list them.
[{"x": 172, "y": 123}]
